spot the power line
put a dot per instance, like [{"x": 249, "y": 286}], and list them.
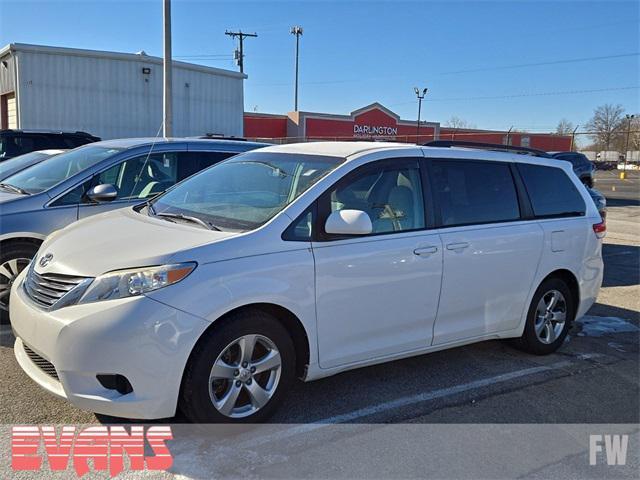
[
  {"x": 496, "y": 67},
  {"x": 206, "y": 55},
  {"x": 537, "y": 64},
  {"x": 519, "y": 95}
]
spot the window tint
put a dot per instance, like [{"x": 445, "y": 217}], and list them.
[
  {"x": 54, "y": 141},
  {"x": 301, "y": 229},
  {"x": 25, "y": 144},
  {"x": 392, "y": 197},
  {"x": 41, "y": 142},
  {"x": 193, "y": 162},
  {"x": 475, "y": 192},
  {"x": 142, "y": 177},
  {"x": 551, "y": 191},
  {"x": 73, "y": 197}
]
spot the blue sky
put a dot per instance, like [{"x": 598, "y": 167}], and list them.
[{"x": 357, "y": 52}]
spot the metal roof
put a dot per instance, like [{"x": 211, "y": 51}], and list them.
[{"x": 138, "y": 57}]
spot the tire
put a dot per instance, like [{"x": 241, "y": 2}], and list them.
[
  {"x": 223, "y": 345},
  {"x": 538, "y": 338},
  {"x": 14, "y": 257}
]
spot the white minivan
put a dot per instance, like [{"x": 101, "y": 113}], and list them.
[{"x": 304, "y": 260}]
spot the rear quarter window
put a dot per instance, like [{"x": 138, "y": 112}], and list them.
[{"x": 551, "y": 191}]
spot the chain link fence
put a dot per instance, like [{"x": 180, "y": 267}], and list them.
[{"x": 605, "y": 158}]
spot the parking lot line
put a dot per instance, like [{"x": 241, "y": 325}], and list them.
[{"x": 412, "y": 400}]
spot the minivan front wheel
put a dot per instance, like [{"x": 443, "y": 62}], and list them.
[
  {"x": 239, "y": 370},
  {"x": 14, "y": 257},
  {"x": 548, "y": 319}
]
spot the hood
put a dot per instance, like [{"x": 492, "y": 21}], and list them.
[
  {"x": 117, "y": 240},
  {"x": 8, "y": 196}
]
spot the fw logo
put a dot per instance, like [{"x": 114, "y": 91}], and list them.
[
  {"x": 104, "y": 447},
  {"x": 615, "y": 448}
]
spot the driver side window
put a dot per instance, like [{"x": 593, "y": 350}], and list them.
[{"x": 391, "y": 196}]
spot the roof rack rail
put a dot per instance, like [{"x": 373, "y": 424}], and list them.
[
  {"x": 220, "y": 136},
  {"x": 488, "y": 146}
]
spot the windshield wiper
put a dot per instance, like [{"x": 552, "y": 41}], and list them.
[
  {"x": 150, "y": 208},
  {"x": 188, "y": 218},
  {"x": 13, "y": 188}
]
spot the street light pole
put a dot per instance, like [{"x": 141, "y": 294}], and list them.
[
  {"x": 626, "y": 145},
  {"x": 420, "y": 94},
  {"x": 573, "y": 137},
  {"x": 167, "y": 110},
  {"x": 297, "y": 31},
  {"x": 509, "y": 135}
]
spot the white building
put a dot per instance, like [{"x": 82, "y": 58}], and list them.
[{"x": 113, "y": 95}]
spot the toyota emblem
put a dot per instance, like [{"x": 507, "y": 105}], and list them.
[{"x": 46, "y": 259}]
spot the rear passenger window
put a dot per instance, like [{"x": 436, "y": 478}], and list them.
[
  {"x": 192, "y": 162},
  {"x": 551, "y": 191},
  {"x": 24, "y": 144},
  {"x": 475, "y": 192}
]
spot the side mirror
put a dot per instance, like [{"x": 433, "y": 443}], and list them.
[
  {"x": 348, "y": 222},
  {"x": 102, "y": 193}
]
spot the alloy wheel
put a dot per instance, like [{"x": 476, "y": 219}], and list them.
[
  {"x": 245, "y": 376},
  {"x": 551, "y": 315},
  {"x": 9, "y": 270}
]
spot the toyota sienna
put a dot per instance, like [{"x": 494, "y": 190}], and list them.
[{"x": 304, "y": 260}]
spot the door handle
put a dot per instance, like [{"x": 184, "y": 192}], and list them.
[
  {"x": 425, "y": 250},
  {"x": 457, "y": 246}
]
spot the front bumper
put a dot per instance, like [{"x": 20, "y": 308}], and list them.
[{"x": 146, "y": 341}]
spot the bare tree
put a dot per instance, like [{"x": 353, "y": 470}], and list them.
[
  {"x": 457, "y": 122},
  {"x": 565, "y": 127},
  {"x": 606, "y": 126}
]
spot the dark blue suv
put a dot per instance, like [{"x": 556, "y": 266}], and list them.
[{"x": 582, "y": 166}]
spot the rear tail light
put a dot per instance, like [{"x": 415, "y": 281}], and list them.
[{"x": 600, "y": 229}]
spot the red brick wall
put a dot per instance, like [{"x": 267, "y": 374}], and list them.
[
  {"x": 256, "y": 126},
  {"x": 265, "y": 127}
]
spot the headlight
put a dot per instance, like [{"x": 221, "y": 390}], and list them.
[{"x": 129, "y": 283}]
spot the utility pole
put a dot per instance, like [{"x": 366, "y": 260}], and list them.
[
  {"x": 167, "y": 110},
  {"x": 240, "y": 54},
  {"x": 573, "y": 137},
  {"x": 420, "y": 94},
  {"x": 297, "y": 31}
]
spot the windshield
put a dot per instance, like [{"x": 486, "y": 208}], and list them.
[
  {"x": 18, "y": 163},
  {"x": 45, "y": 175},
  {"x": 245, "y": 191}
]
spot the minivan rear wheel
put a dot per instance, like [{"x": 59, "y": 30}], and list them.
[
  {"x": 239, "y": 370},
  {"x": 549, "y": 318},
  {"x": 14, "y": 257}
]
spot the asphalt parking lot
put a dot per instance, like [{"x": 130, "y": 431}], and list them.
[{"x": 593, "y": 378}]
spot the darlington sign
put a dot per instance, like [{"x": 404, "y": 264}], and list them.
[{"x": 366, "y": 130}]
